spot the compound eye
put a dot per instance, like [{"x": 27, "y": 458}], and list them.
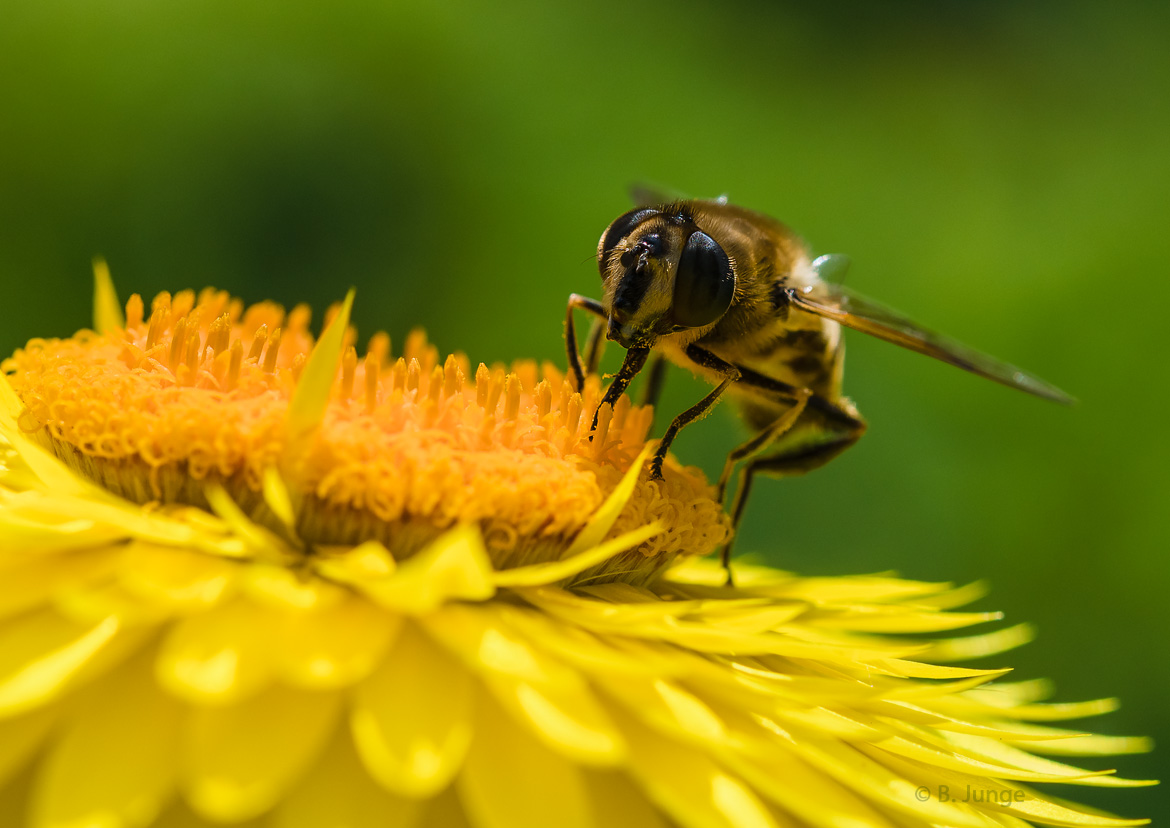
[
  {"x": 622, "y": 226},
  {"x": 704, "y": 283}
]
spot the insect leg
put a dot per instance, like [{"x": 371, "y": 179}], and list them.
[
  {"x": 762, "y": 440},
  {"x": 706, "y": 359},
  {"x": 835, "y": 417},
  {"x": 594, "y": 307},
  {"x": 797, "y": 461},
  {"x": 695, "y": 412},
  {"x": 594, "y": 345},
  {"x": 635, "y": 359},
  {"x": 653, "y": 387},
  {"x": 746, "y": 476}
]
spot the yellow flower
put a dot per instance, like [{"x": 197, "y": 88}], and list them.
[{"x": 246, "y": 580}]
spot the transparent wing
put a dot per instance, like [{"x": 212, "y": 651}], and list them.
[
  {"x": 651, "y": 195},
  {"x": 836, "y": 302},
  {"x": 832, "y": 267}
]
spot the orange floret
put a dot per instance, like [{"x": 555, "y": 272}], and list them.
[{"x": 409, "y": 446}]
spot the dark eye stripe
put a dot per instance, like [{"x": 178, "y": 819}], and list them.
[
  {"x": 632, "y": 288},
  {"x": 622, "y": 226}
]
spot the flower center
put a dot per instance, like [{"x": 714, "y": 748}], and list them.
[{"x": 199, "y": 393}]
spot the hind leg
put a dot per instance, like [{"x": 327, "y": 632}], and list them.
[
  {"x": 785, "y": 463},
  {"x": 762, "y": 440}
]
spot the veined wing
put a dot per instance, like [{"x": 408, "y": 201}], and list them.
[
  {"x": 835, "y": 302},
  {"x": 652, "y": 195}
]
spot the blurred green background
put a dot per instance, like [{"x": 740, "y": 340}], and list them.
[{"x": 999, "y": 171}]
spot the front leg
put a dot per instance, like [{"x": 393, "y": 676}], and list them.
[
  {"x": 635, "y": 359},
  {"x": 704, "y": 359},
  {"x": 594, "y": 307},
  {"x": 695, "y": 412}
]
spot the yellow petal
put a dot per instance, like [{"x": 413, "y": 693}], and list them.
[
  {"x": 116, "y": 763},
  {"x": 547, "y": 573},
  {"x": 596, "y": 654},
  {"x": 54, "y": 474},
  {"x": 445, "y": 811},
  {"x": 1067, "y": 710},
  {"x": 42, "y": 653},
  {"x": 261, "y": 542},
  {"x": 878, "y": 782},
  {"x": 180, "y": 578},
  {"x": 282, "y": 588},
  {"x": 220, "y": 656},
  {"x": 369, "y": 561},
  {"x": 657, "y": 620},
  {"x": 1071, "y": 743},
  {"x": 29, "y": 580},
  {"x": 20, "y": 736},
  {"x": 1016, "y": 799},
  {"x": 1001, "y": 753},
  {"x": 968, "y": 647},
  {"x": 180, "y": 815},
  {"x": 454, "y": 567},
  {"x": 607, "y": 513},
  {"x": 338, "y": 793},
  {"x": 411, "y": 719},
  {"x": 536, "y": 688},
  {"x": 510, "y": 780},
  {"x": 688, "y": 784},
  {"x": 107, "y": 311},
  {"x": 957, "y": 760},
  {"x": 878, "y": 619},
  {"x": 307, "y": 407},
  {"x": 241, "y": 760},
  {"x": 803, "y": 791},
  {"x": 278, "y": 498},
  {"x": 666, "y": 707},
  {"x": 336, "y": 645},
  {"x": 616, "y": 802},
  {"x": 30, "y": 525}
]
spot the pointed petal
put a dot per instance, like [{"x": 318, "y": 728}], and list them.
[
  {"x": 107, "y": 311},
  {"x": 20, "y": 736},
  {"x": 336, "y": 645},
  {"x": 886, "y": 787},
  {"x": 311, "y": 396},
  {"x": 454, "y": 567},
  {"x": 42, "y": 653},
  {"x": 221, "y": 656},
  {"x": 968, "y": 647},
  {"x": 180, "y": 815},
  {"x": 338, "y": 793},
  {"x": 510, "y": 780},
  {"x": 116, "y": 763},
  {"x": 607, "y": 513},
  {"x": 54, "y": 474},
  {"x": 445, "y": 811},
  {"x": 241, "y": 760},
  {"x": 689, "y": 786},
  {"x": 547, "y": 573},
  {"x": 616, "y": 802},
  {"x": 413, "y": 754},
  {"x": 278, "y": 498},
  {"x": 806, "y": 793},
  {"x": 536, "y": 688},
  {"x": 27, "y": 581},
  {"x": 180, "y": 578}
]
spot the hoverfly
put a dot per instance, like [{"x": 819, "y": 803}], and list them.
[{"x": 734, "y": 296}]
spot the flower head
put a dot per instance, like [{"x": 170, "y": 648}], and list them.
[{"x": 245, "y": 578}]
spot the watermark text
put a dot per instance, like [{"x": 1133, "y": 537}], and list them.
[{"x": 968, "y": 793}]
